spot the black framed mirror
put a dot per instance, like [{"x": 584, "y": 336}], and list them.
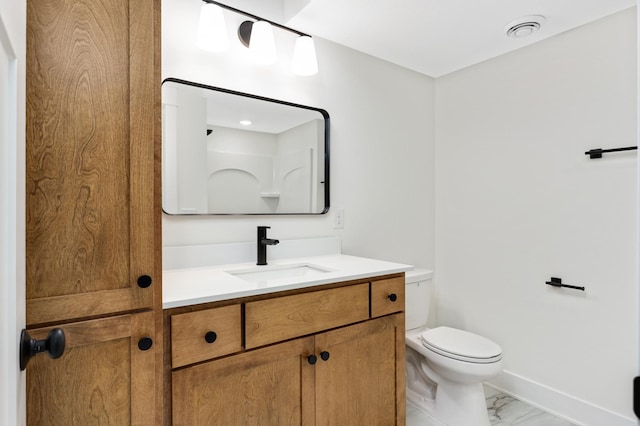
[{"x": 228, "y": 152}]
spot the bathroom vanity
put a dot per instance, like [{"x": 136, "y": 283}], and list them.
[{"x": 321, "y": 347}]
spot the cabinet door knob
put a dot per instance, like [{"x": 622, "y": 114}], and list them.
[
  {"x": 393, "y": 297},
  {"x": 210, "y": 337},
  {"x": 312, "y": 359},
  {"x": 54, "y": 345},
  {"x": 144, "y": 281},
  {"x": 325, "y": 355},
  {"x": 145, "y": 343}
]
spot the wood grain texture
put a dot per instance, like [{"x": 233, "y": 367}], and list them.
[
  {"x": 93, "y": 208},
  {"x": 77, "y": 133},
  {"x": 90, "y": 124},
  {"x": 281, "y": 318},
  {"x": 267, "y": 386},
  {"x": 380, "y": 292},
  {"x": 188, "y": 344},
  {"x": 102, "y": 377},
  {"x": 401, "y": 372},
  {"x": 357, "y": 384},
  {"x": 144, "y": 113},
  {"x": 157, "y": 232}
]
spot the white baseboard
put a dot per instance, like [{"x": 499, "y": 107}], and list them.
[{"x": 557, "y": 403}]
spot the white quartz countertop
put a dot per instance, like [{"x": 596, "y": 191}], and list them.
[{"x": 192, "y": 286}]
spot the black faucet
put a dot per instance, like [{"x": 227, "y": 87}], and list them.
[{"x": 263, "y": 242}]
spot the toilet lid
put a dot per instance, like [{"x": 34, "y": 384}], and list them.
[{"x": 461, "y": 345}]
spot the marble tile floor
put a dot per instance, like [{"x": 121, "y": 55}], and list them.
[{"x": 503, "y": 410}]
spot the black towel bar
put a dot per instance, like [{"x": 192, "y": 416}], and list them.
[
  {"x": 597, "y": 152},
  {"x": 557, "y": 282}
]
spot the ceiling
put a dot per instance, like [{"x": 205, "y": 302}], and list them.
[{"x": 433, "y": 37}]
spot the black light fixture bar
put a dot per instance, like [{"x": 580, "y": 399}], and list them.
[
  {"x": 257, "y": 18},
  {"x": 597, "y": 152}
]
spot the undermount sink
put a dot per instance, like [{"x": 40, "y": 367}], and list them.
[{"x": 274, "y": 272}]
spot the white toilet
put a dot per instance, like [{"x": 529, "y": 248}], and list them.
[{"x": 445, "y": 366}]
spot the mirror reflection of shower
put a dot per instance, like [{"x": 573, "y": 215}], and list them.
[{"x": 230, "y": 153}]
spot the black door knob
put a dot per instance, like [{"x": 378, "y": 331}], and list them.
[
  {"x": 325, "y": 355},
  {"x": 210, "y": 337},
  {"x": 312, "y": 359},
  {"x": 393, "y": 297},
  {"x": 54, "y": 345}
]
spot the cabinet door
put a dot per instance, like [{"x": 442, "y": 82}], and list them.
[
  {"x": 361, "y": 382},
  {"x": 267, "y": 386},
  {"x": 102, "y": 378},
  {"x": 92, "y": 111}
]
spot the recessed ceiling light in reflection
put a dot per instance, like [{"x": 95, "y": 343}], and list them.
[{"x": 245, "y": 122}]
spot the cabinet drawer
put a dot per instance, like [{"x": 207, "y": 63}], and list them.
[
  {"x": 383, "y": 301},
  {"x": 282, "y": 318},
  {"x": 190, "y": 331}
]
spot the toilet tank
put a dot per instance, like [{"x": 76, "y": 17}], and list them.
[{"x": 418, "y": 291}]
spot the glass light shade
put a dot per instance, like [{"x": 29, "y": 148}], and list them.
[
  {"x": 262, "y": 45},
  {"x": 212, "y": 30},
  {"x": 304, "y": 57}
]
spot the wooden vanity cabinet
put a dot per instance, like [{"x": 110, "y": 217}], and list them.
[
  {"x": 362, "y": 380},
  {"x": 386, "y": 296},
  {"x": 310, "y": 357},
  {"x": 207, "y": 334},
  {"x": 267, "y": 386},
  {"x": 281, "y": 318}
]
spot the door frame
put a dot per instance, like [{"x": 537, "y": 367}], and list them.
[
  {"x": 635, "y": 387},
  {"x": 12, "y": 208}
]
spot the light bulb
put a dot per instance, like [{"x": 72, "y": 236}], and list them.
[
  {"x": 212, "y": 30},
  {"x": 304, "y": 57},
  {"x": 262, "y": 45}
]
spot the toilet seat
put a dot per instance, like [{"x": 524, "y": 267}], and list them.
[{"x": 461, "y": 345}]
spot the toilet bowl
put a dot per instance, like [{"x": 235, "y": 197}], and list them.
[{"x": 445, "y": 366}]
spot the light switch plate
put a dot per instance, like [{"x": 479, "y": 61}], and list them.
[{"x": 338, "y": 218}]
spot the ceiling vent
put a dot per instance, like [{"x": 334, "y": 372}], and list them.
[{"x": 525, "y": 26}]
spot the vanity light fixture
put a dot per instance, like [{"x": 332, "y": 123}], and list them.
[
  {"x": 212, "y": 30},
  {"x": 257, "y": 35},
  {"x": 262, "y": 45},
  {"x": 304, "y": 57}
]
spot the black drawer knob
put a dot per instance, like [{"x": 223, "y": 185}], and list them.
[
  {"x": 393, "y": 297},
  {"x": 145, "y": 343},
  {"x": 144, "y": 281},
  {"x": 210, "y": 337},
  {"x": 325, "y": 355},
  {"x": 312, "y": 359}
]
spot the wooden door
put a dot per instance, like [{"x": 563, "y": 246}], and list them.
[
  {"x": 263, "y": 387},
  {"x": 361, "y": 382},
  {"x": 103, "y": 377},
  {"x": 92, "y": 210},
  {"x": 92, "y": 116}
]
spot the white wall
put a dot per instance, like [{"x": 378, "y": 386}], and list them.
[
  {"x": 241, "y": 164},
  {"x": 191, "y": 160},
  {"x": 297, "y": 175},
  {"x": 382, "y": 141},
  {"x": 518, "y": 202}
]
